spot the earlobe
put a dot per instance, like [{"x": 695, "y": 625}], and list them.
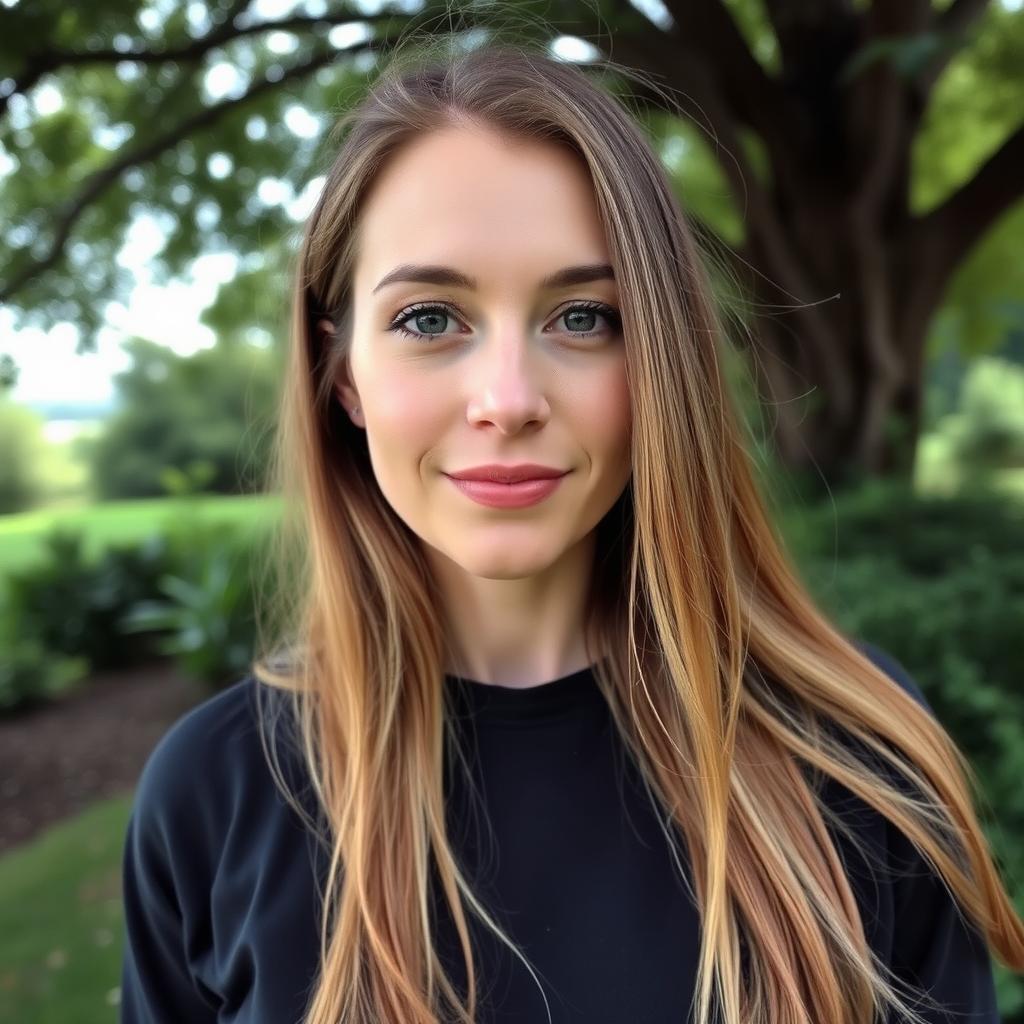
[
  {"x": 346, "y": 394},
  {"x": 349, "y": 400},
  {"x": 344, "y": 391}
]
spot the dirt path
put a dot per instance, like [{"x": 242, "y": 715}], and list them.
[{"x": 58, "y": 759}]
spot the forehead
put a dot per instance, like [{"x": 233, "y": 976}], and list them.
[{"x": 466, "y": 195}]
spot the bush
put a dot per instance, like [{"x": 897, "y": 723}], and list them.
[
  {"x": 21, "y": 454},
  {"x": 939, "y": 584},
  {"x": 927, "y": 535},
  {"x": 187, "y": 590},
  {"x": 29, "y": 674},
  {"x": 987, "y": 431},
  {"x": 206, "y": 416},
  {"x": 205, "y": 615},
  {"x": 71, "y": 605}
]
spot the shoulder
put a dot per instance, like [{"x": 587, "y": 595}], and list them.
[
  {"x": 195, "y": 777},
  {"x": 912, "y": 917},
  {"x": 838, "y": 796},
  {"x": 200, "y": 740},
  {"x": 896, "y": 671}
]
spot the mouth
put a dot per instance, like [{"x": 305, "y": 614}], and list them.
[
  {"x": 509, "y": 474},
  {"x": 515, "y": 494}
]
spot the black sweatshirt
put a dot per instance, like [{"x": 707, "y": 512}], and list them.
[{"x": 221, "y": 878}]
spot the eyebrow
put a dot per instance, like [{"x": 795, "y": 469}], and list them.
[{"x": 429, "y": 273}]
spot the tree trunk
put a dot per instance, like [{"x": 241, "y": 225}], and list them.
[
  {"x": 839, "y": 369},
  {"x": 844, "y": 277}
]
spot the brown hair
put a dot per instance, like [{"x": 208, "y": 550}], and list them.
[{"x": 721, "y": 670}]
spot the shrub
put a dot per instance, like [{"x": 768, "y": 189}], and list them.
[
  {"x": 987, "y": 431},
  {"x": 29, "y": 674},
  {"x": 939, "y": 584},
  {"x": 206, "y": 415},
  {"x": 205, "y": 616},
  {"x": 71, "y": 605},
  {"x": 21, "y": 455},
  {"x": 926, "y": 535},
  {"x": 187, "y": 590}
]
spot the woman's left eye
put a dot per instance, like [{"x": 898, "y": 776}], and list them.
[
  {"x": 581, "y": 315},
  {"x": 587, "y": 312}
]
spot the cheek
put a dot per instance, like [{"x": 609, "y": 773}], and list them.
[
  {"x": 405, "y": 426},
  {"x": 609, "y": 415},
  {"x": 396, "y": 396},
  {"x": 403, "y": 413}
]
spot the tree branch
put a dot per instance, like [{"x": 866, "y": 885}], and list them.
[
  {"x": 967, "y": 214},
  {"x": 957, "y": 19},
  {"x": 933, "y": 245},
  {"x": 706, "y": 27},
  {"x": 103, "y": 179},
  {"x": 880, "y": 119},
  {"x": 796, "y": 24},
  {"x": 46, "y": 61}
]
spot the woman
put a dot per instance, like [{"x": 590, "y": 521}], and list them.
[{"x": 567, "y": 743}]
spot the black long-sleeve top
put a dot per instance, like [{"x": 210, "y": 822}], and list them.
[{"x": 221, "y": 879}]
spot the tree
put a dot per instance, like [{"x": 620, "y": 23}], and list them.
[{"x": 824, "y": 119}]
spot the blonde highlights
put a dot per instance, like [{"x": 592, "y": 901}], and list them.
[{"x": 725, "y": 680}]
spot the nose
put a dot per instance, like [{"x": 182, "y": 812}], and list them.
[{"x": 506, "y": 390}]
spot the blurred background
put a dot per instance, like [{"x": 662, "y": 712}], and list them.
[{"x": 855, "y": 173}]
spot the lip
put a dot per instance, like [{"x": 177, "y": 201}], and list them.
[
  {"x": 495, "y": 494},
  {"x": 497, "y": 473}
]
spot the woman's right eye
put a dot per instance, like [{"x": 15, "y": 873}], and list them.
[{"x": 430, "y": 316}]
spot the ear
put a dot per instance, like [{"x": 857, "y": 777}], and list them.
[{"x": 346, "y": 391}]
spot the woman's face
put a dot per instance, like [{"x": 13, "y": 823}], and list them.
[{"x": 499, "y": 367}]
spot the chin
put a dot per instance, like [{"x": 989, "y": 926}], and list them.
[
  {"x": 503, "y": 561},
  {"x": 504, "y": 573}
]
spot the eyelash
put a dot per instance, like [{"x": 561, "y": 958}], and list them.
[{"x": 610, "y": 314}]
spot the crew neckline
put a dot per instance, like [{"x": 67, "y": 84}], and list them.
[{"x": 554, "y": 699}]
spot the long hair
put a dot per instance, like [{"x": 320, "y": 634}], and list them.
[{"x": 724, "y": 678}]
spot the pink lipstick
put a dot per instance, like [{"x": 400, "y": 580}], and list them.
[{"x": 500, "y": 486}]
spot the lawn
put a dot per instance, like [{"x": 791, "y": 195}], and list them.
[
  {"x": 21, "y": 536},
  {"x": 61, "y": 937}
]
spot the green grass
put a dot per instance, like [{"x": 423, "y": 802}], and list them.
[
  {"x": 61, "y": 937},
  {"x": 22, "y": 535}
]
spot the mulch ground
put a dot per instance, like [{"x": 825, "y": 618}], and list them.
[{"x": 57, "y": 759}]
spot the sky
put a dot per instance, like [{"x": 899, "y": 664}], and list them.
[{"x": 49, "y": 368}]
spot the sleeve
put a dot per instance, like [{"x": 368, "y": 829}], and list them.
[
  {"x": 935, "y": 949},
  {"x": 159, "y": 890}
]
